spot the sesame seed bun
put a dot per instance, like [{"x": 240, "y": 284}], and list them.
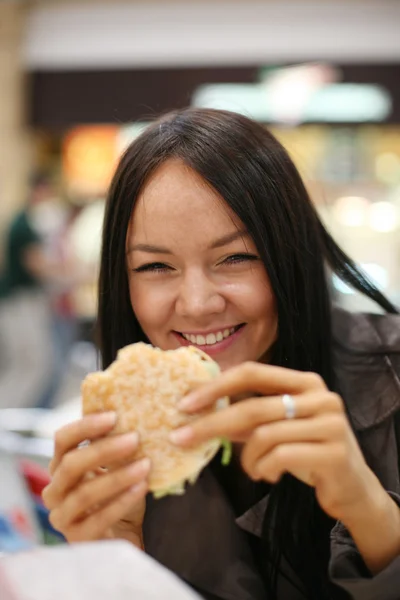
[{"x": 143, "y": 386}]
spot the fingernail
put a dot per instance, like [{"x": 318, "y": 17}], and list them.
[
  {"x": 109, "y": 417},
  {"x": 187, "y": 403},
  {"x": 138, "y": 488},
  {"x": 140, "y": 467},
  {"x": 131, "y": 438},
  {"x": 181, "y": 436}
]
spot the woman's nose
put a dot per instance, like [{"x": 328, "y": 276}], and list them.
[{"x": 198, "y": 297}]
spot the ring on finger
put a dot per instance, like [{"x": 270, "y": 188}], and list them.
[{"x": 289, "y": 405}]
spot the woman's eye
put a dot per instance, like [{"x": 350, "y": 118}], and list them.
[
  {"x": 239, "y": 258},
  {"x": 152, "y": 267}
]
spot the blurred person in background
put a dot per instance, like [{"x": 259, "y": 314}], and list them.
[
  {"x": 309, "y": 507},
  {"x": 61, "y": 290},
  {"x": 29, "y": 370}
]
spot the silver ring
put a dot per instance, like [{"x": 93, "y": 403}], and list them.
[{"x": 290, "y": 406}]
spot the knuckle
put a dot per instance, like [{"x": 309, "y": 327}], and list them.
[
  {"x": 328, "y": 402},
  {"x": 67, "y": 467},
  {"x": 314, "y": 380},
  {"x": 247, "y": 368},
  {"x": 335, "y": 402},
  {"x": 261, "y": 435},
  {"x": 47, "y": 496},
  {"x": 337, "y": 425},
  {"x": 84, "y": 497},
  {"x": 254, "y": 410},
  {"x": 281, "y": 454}
]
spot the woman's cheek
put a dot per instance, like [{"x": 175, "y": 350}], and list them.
[{"x": 152, "y": 308}]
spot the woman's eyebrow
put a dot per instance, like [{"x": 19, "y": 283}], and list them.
[
  {"x": 219, "y": 243},
  {"x": 229, "y": 238},
  {"x": 149, "y": 248}
]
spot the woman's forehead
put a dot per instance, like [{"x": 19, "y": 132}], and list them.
[{"x": 176, "y": 198}]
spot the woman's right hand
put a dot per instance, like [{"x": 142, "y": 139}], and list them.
[{"x": 87, "y": 502}]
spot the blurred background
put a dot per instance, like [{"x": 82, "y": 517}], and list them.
[{"x": 79, "y": 80}]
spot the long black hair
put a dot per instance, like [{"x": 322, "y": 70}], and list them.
[{"x": 250, "y": 169}]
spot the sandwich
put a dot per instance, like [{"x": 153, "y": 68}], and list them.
[{"x": 144, "y": 386}]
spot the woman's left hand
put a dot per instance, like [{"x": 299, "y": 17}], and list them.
[{"x": 317, "y": 446}]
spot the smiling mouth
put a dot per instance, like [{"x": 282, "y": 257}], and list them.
[{"x": 211, "y": 338}]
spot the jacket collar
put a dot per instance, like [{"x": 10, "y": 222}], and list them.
[
  {"x": 367, "y": 356},
  {"x": 366, "y": 333}
]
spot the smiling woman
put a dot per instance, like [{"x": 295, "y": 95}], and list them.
[
  {"x": 210, "y": 239},
  {"x": 209, "y": 288}
]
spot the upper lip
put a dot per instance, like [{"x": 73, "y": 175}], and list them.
[{"x": 205, "y": 333}]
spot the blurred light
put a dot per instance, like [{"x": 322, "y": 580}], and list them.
[
  {"x": 85, "y": 233},
  {"x": 394, "y": 196},
  {"x": 387, "y": 167},
  {"x": 89, "y": 155},
  {"x": 128, "y": 133},
  {"x": 290, "y": 89},
  {"x": 349, "y": 103},
  {"x": 246, "y": 99},
  {"x": 383, "y": 216},
  {"x": 377, "y": 274},
  {"x": 308, "y": 101},
  {"x": 351, "y": 211},
  {"x": 341, "y": 286}
]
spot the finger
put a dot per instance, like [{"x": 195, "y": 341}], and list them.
[
  {"x": 98, "y": 492},
  {"x": 78, "y": 462},
  {"x": 323, "y": 428},
  {"x": 94, "y": 527},
  {"x": 73, "y": 434},
  {"x": 304, "y": 461},
  {"x": 237, "y": 420},
  {"x": 254, "y": 377}
]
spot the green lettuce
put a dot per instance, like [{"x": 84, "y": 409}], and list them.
[{"x": 226, "y": 446}]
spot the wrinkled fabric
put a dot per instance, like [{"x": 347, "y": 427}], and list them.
[{"x": 199, "y": 537}]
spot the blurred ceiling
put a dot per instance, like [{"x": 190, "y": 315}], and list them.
[{"x": 109, "y": 35}]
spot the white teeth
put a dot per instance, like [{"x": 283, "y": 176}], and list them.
[{"x": 210, "y": 339}]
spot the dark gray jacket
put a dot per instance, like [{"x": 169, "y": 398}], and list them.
[{"x": 197, "y": 535}]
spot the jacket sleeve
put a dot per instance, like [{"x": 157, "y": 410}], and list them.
[{"x": 348, "y": 570}]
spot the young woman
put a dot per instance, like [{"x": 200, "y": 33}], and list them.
[{"x": 210, "y": 239}]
